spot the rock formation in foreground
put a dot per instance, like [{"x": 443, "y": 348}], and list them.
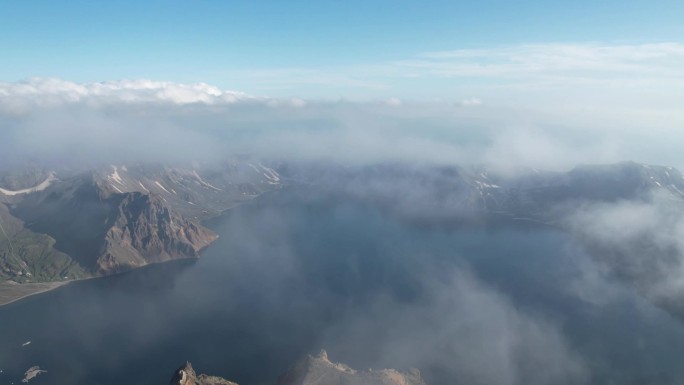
[
  {"x": 185, "y": 375},
  {"x": 318, "y": 370}
]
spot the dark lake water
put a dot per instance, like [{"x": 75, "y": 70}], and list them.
[{"x": 291, "y": 275}]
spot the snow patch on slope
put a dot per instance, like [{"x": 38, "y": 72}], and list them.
[
  {"x": 203, "y": 182},
  {"x": 39, "y": 187},
  {"x": 162, "y": 187},
  {"x": 270, "y": 173},
  {"x": 272, "y": 177},
  {"x": 115, "y": 176}
]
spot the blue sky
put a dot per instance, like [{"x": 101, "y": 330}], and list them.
[{"x": 244, "y": 44}]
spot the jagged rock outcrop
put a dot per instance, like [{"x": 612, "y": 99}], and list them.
[
  {"x": 32, "y": 373},
  {"x": 320, "y": 370},
  {"x": 76, "y": 222},
  {"x": 147, "y": 231},
  {"x": 111, "y": 232},
  {"x": 185, "y": 375}
]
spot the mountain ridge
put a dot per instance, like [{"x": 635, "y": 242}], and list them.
[
  {"x": 114, "y": 218},
  {"x": 118, "y": 217},
  {"x": 311, "y": 370}
]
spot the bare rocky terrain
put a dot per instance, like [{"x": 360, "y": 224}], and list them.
[
  {"x": 319, "y": 369},
  {"x": 185, "y": 375},
  {"x": 65, "y": 224},
  {"x": 312, "y": 370},
  {"x": 68, "y": 224}
]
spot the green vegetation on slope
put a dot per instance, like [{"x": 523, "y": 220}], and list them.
[{"x": 26, "y": 256}]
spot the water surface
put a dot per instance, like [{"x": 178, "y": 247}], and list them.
[{"x": 291, "y": 274}]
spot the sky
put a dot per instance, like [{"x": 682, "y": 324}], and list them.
[
  {"x": 322, "y": 49},
  {"x": 544, "y": 84}
]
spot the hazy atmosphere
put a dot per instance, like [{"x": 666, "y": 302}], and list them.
[
  {"x": 435, "y": 193},
  {"x": 51, "y": 119},
  {"x": 531, "y": 84}
]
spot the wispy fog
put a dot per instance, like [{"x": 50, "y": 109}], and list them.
[
  {"x": 287, "y": 278},
  {"x": 639, "y": 241},
  {"x": 51, "y": 121},
  {"x": 463, "y": 329},
  {"x": 366, "y": 281}
]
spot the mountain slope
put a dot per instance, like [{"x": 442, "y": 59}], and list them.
[
  {"x": 320, "y": 370},
  {"x": 185, "y": 375},
  {"x": 147, "y": 231},
  {"x": 475, "y": 194},
  {"x": 111, "y": 232},
  {"x": 27, "y": 256},
  {"x": 193, "y": 191},
  {"x": 113, "y": 218}
]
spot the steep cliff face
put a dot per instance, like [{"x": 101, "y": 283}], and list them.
[
  {"x": 100, "y": 221},
  {"x": 147, "y": 231},
  {"x": 78, "y": 221},
  {"x": 320, "y": 370},
  {"x": 129, "y": 216},
  {"x": 185, "y": 375},
  {"x": 109, "y": 232}
]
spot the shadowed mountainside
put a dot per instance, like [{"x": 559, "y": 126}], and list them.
[{"x": 73, "y": 223}]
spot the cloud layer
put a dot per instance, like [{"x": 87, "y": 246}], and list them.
[
  {"x": 53, "y": 120},
  {"x": 641, "y": 242},
  {"x": 39, "y": 92}
]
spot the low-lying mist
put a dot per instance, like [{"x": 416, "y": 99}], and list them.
[
  {"x": 50, "y": 121},
  {"x": 297, "y": 271},
  {"x": 361, "y": 256}
]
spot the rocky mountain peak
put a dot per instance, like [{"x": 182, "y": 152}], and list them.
[
  {"x": 145, "y": 230},
  {"x": 185, "y": 375},
  {"x": 312, "y": 370}
]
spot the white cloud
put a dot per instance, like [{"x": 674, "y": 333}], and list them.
[
  {"x": 55, "y": 92},
  {"x": 52, "y": 118},
  {"x": 461, "y": 329},
  {"x": 639, "y": 241},
  {"x": 610, "y": 75},
  {"x": 556, "y": 63},
  {"x": 527, "y": 74}
]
